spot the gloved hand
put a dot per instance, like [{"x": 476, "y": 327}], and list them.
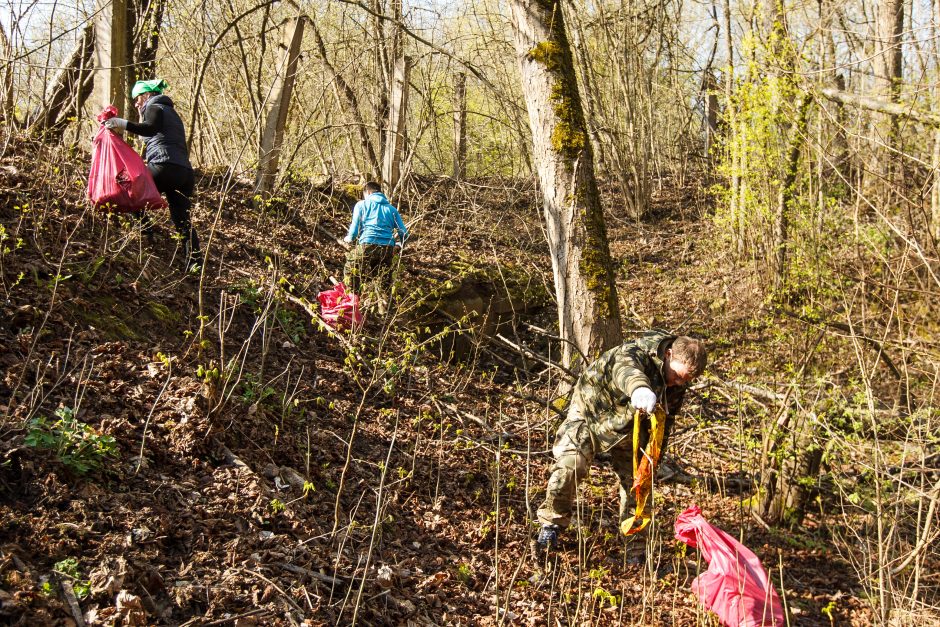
[
  {"x": 116, "y": 124},
  {"x": 643, "y": 398}
]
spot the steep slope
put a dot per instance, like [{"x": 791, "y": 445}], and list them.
[{"x": 266, "y": 471}]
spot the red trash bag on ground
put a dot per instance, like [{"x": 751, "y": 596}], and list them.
[
  {"x": 339, "y": 308},
  {"x": 735, "y": 586},
  {"x": 119, "y": 181}
]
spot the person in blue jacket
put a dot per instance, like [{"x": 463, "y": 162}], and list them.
[
  {"x": 167, "y": 159},
  {"x": 374, "y": 227}
]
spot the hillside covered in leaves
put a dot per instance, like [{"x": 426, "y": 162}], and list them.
[{"x": 199, "y": 449}]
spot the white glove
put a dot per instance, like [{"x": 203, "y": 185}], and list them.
[
  {"x": 347, "y": 239},
  {"x": 643, "y": 398},
  {"x": 116, "y": 124}
]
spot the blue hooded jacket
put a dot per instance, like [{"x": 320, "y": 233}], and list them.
[{"x": 375, "y": 221}]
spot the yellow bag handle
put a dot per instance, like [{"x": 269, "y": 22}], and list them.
[{"x": 644, "y": 468}]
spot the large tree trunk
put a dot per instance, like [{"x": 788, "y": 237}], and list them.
[
  {"x": 66, "y": 86},
  {"x": 787, "y": 193},
  {"x": 790, "y": 483},
  {"x": 888, "y": 64},
  {"x": 588, "y": 314},
  {"x": 146, "y": 23},
  {"x": 935, "y": 159},
  {"x": 585, "y": 71}
]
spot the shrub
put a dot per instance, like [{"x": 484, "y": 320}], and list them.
[{"x": 77, "y": 445}]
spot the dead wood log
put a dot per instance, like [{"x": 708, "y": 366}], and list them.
[
  {"x": 757, "y": 392},
  {"x": 880, "y": 106}
]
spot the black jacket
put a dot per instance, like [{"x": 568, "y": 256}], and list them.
[{"x": 163, "y": 128}]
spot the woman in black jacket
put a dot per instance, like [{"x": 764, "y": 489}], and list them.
[{"x": 167, "y": 159}]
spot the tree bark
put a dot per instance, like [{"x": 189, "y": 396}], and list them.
[
  {"x": 789, "y": 487},
  {"x": 788, "y": 192},
  {"x": 460, "y": 126},
  {"x": 588, "y": 313},
  {"x": 585, "y": 71},
  {"x": 888, "y": 65},
  {"x": 146, "y": 23},
  {"x": 67, "y": 83},
  {"x": 269, "y": 152},
  {"x": 935, "y": 157}
]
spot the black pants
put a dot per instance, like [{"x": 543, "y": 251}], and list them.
[{"x": 177, "y": 183}]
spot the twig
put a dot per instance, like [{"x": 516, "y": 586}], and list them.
[
  {"x": 300, "y": 570},
  {"x": 222, "y": 621},
  {"x": 278, "y": 588},
  {"x": 552, "y": 336},
  {"x": 925, "y": 539},
  {"x": 143, "y": 439},
  {"x": 72, "y": 601}
]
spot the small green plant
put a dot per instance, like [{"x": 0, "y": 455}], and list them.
[
  {"x": 252, "y": 391},
  {"x": 208, "y": 374},
  {"x": 69, "y": 568},
  {"x": 464, "y": 574},
  {"x": 291, "y": 324},
  {"x": 606, "y": 597},
  {"x": 276, "y": 505},
  {"x": 76, "y": 444}
]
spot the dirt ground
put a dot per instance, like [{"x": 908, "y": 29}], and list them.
[{"x": 267, "y": 472}]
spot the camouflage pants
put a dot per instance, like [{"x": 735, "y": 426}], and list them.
[
  {"x": 370, "y": 264},
  {"x": 574, "y": 451}
]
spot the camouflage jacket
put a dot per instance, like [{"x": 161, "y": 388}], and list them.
[{"x": 602, "y": 393}]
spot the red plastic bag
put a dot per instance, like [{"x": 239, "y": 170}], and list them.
[
  {"x": 119, "y": 181},
  {"x": 735, "y": 586},
  {"x": 339, "y": 308}
]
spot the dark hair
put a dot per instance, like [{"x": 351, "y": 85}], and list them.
[
  {"x": 371, "y": 187},
  {"x": 690, "y": 352}
]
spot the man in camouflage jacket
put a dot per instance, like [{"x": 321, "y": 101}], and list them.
[{"x": 655, "y": 368}]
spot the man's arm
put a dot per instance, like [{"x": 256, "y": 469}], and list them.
[
  {"x": 628, "y": 372},
  {"x": 150, "y": 125},
  {"x": 353, "y": 231},
  {"x": 400, "y": 225}
]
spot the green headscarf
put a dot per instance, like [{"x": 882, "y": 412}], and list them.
[{"x": 142, "y": 87}]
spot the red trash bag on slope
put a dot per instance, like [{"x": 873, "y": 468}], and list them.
[
  {"x": 339, "y": 308},
  {"x": 119, "y": 181},
  {"x": 735, "y": 586}
]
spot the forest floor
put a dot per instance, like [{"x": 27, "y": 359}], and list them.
[{"x": 267, "y": 472}]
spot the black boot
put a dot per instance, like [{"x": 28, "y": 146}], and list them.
[{"x": 192, "y": 256}]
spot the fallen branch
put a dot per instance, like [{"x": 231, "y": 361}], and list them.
[
  {"x": 76, "y": 609},
  {"x": 881, "y": 106},
  {"x": 528, "y": 352},
  {"x": 300, "y": 570},
  {"x": 757, "y": 392}
]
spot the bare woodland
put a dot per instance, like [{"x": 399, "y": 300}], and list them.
[{"x": 764, "y": 176}]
